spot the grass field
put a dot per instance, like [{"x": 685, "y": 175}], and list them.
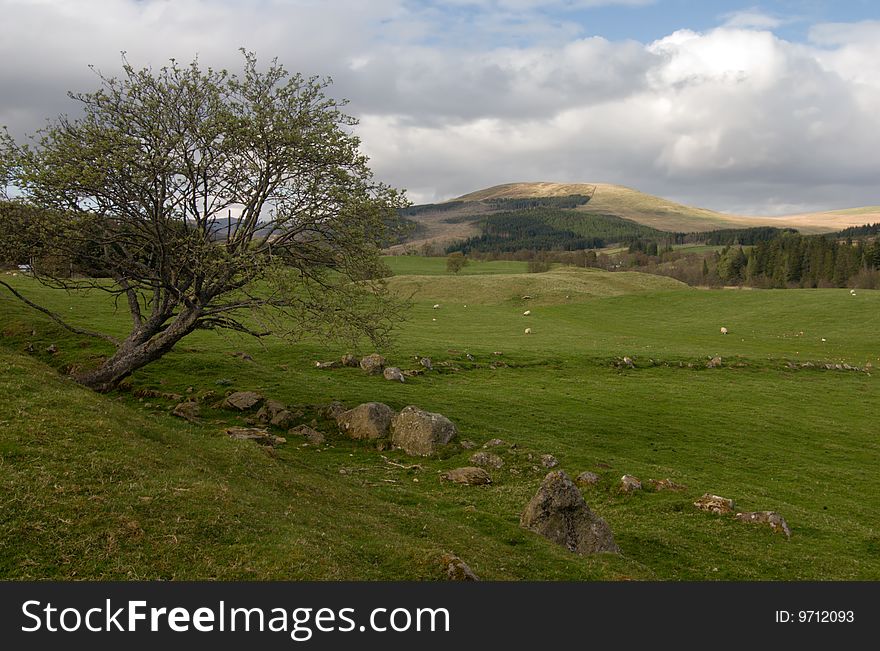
[{"x": 113, "y": 486}]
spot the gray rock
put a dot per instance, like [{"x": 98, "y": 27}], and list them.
[
  {"x": 188, "y": 410},
  {"x": 373, "y": 364},
  {"x": 587, "y": 478},
  {"x": 420, "y": 432},
  {"x": 457, "y": 569},
  {"x": 665, "y": 485},
  {"x": 630, "y": 484},
  {"x": 313, "y": 436},
  {"x": 426, "y": 362},
  {"x": 487, "y": 460},
  {"x": 715, "y": 362},
  {"x": 52, "y": 349},
  {"x": 777, "y": 522},
  {"x": 469, "y": 475},
  {"x": 242, "y": 400},
  {"x": 333, "y": 410},
  {"x": 394, "y": 374},
  {"x": 269, "y": 410},
  {"x": 223, "y": 382},
  {"x": 335, "y": 363},
  {"x": 559, "y": 513},
  {"x": 491, "y": 443},
  {"x": 370, "y": 420},
  {"x": 256, "y": 434},
  {"x": 714, "y": 504},
  {"x": 468, "y": 445},
  {"x": 549, "y": 461},
  {"x": 350, "y": 360}
]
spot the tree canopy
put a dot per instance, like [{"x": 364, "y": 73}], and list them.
[{"x": 207, "y": 199}]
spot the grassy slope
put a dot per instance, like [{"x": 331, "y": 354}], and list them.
[{"x": 98, "y": 486}]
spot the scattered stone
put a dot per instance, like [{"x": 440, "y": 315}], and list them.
[
  {"x": 313, "y": 436},
  {"x": 457, "y": 569},
  {"x": 373, "y": 364},
  {"x": 394, "y": 374},
  {"x": 188, "y": 410},
  {"x": 256, "y": 434},
  {"x": 487, "y": 460},
  {"x": 370, "y": 420},
  {"x": 558, "y": 512},
  {"x": 52, "y": 349},
  {"x": 777, "y": 522},
  {"x": 587, "y": 478},
  {"x": 350, "y": 360},
  {"x": 665, "y": 485},
  {"x": 420, "y": 432},
  {"x": 335, "y": 363},
  {"x": 491, "y": 443},
  {"x": 714, "y": 504},
  {"x": 469, "y": 475},
  {"x": 223, "y": 382},
  {"x": 468, "y": 445},
  {"x": 630, "y": 484},
  {"x": 242, "y": 400},
  {"x": 333, "y": 410},
  {"x": 549, "y": 461},
  {"x": 715, "y": 362},
  {"x": 426, "y": 362},
  {"x": 628, "y": 362}
]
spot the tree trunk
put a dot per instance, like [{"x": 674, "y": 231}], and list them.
[{"x": 136, "y": 352}]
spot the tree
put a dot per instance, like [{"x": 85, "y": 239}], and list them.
[
  {"x": 456, "y": 261},
  {"x": 209, "y": 199}
]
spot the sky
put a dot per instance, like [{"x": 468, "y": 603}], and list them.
[{"x": 752, "y": 107}]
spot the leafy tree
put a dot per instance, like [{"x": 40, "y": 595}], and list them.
[
  {"x": 455, "y": 262},
  {"x": 211, "y": 200}
]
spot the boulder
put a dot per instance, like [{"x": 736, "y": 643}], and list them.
[
  {"x": 313, "y": 436},
  {"x": 457, "y": 569},
  {"x": 256, "y": 434},
  {"x": 394, "y": 374},
  {"x": 487, "y": 460},
  {"x": 469, "y": 475},
  {"x": 420, "y": 432},
  {"x": 777, "y": 522},
  {"x": 549, "y": 461},
  {"x": 559, "y": 513},
  {"x": 665, "y": 485},
  {"x": 370, "y": 420},
  {"x": 242, "y": 400},
  {"x": 587, "y": 478},
  {"x": 715, "y": 362},
  {"x": 373, "y": 364},
  {"x": 630, "y": 484},
  {"x": 714, "y": 504},
  {"x": 350, "y": 360},
  {"x": 426, "y": 362},
  {"x": 333, "y": 410},
  {"x": 269, "y": 410},
  {"x": 188, "y": 410}
]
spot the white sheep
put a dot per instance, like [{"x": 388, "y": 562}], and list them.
[
  {"x": 723, "y": 330},
  {"x": 436, "y": 306},
  {"x": 528, "y": 331},
  {"x": 527, "y": 313},
  {"x": 852, "y": 292}
]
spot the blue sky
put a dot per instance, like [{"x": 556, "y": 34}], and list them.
[{"x": 748, "y": 107}]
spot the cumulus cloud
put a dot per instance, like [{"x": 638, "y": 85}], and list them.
[{"x": 732, "y": 118}]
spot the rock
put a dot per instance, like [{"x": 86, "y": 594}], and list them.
[
  {"x": 333, "y": 410},
  {"x": 269, "y": 410},
  {"x": 628, "y": 362},
  {"x": 559, "y": 513},
  {"x": 256, "y": 434},
  {"x": 457, "y": 569},
  {"x": 487, "y": 460},
  {"x": 327, "y": 365},
  {"x": 52, "y": 349},
  {"x": 373, "y": 364},
  {"x": 468, "y": 475},
  {"x": 715, "y": 362},
  {"x": 420, "y": 432},
  {"x": 587, "y": 478},
  {"x": 350, "y": 360},
  {"x": 549, "y": 461},
  {"x": 188, "y": 410},
  {"x": 313, "y": 436},
  {"x": 223, "y": 382},
  {"x": 393, "y": 373},
  {"x": 243, "y": 356},
  {"x": 370, "y": 420},
  {"x": 491, "y": 443},
  {"x": 470, "y": 357},
  {"x": 665, "y": 485},
  {"x": 426, "y": 362},
  {"x": 777, "y": 522},
  {"x": 714, "y": 504},
  {"x": 242, "y": 400},
  {"x": 468, "y": 445},
  {"x": 629, "y": 484}
]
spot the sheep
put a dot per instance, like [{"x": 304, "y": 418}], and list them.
[
  {"x": 852, "y": 292},
  {"x": 528, "y": 331},
  {"x": 723, "y": 330},
  {"x": 436, "y": 306},
  {"x": 527, "y": 313}
]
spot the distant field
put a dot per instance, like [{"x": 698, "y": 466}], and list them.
[
  {"x": 114, "y": 487},
  {"x": 404, "y": 265}
]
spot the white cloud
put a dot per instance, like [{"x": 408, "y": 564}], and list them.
[{"x": 752, "y": 18}]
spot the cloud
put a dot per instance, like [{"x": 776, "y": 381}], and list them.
[
  {"x": 752, "y": 18},
  {"x": 451, "y": 100}
]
